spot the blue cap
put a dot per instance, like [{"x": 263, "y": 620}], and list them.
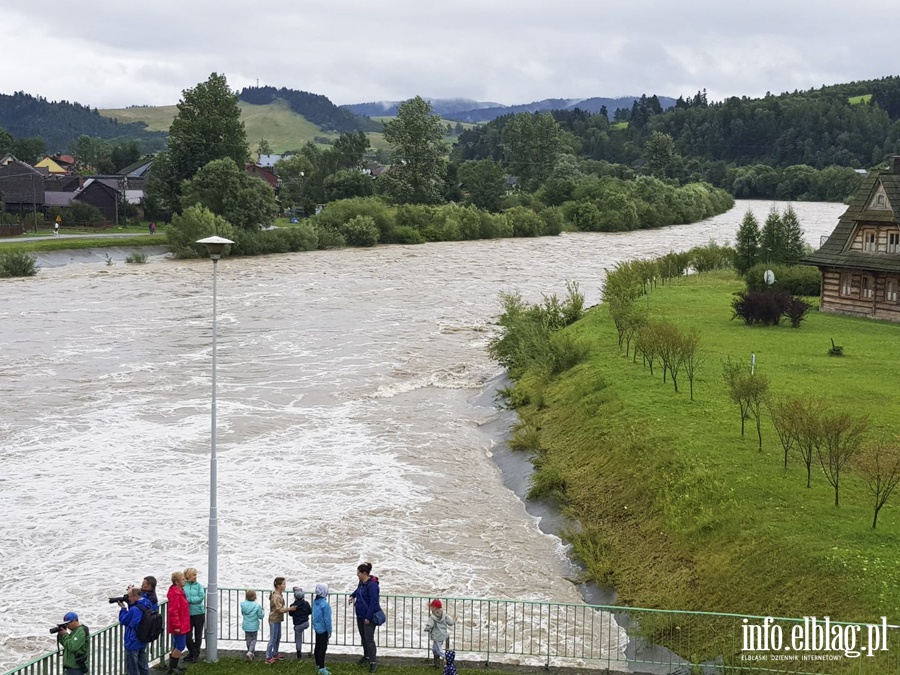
[{"x": 69, "y": 617}]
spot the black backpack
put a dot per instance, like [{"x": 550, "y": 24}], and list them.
[{"x": 151, "y": 625}]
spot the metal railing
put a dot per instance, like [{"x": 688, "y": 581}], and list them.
[{"x": 630, "y": 639}]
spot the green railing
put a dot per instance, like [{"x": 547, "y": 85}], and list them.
[{"x": 634, "y": 640}]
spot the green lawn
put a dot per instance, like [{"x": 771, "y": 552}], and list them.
[
  {"x": 856, "y": 100},
  {"x": 52, "y": 243},
  {"x": 678, "y": 511}
]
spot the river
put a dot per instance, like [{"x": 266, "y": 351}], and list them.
[{"x": 350, "y": 425}]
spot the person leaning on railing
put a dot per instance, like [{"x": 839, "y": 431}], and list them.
[{"x": 75, "y": 642}]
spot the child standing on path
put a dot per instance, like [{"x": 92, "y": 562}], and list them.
[
  {"x": 321, "y": 621},
  {"x": 253, "y": 613},
  {"x": 300, "y": 613},
  {"x": 438, "y": 628},
  {"x": 277, "y": 610}
]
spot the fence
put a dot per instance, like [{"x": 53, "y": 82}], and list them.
[{"x": 604, "y": 638}]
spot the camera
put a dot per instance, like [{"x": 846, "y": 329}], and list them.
[
  {"x": 59, "y": 627},
  {"x": 121, "y": 598}
]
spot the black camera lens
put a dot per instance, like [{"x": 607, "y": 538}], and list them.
[{"x": 55, "y": 630}]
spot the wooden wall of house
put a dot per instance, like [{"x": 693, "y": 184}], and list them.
[
  {"x": 854, "y": 305},
  {"x": 881, "y": 231}
]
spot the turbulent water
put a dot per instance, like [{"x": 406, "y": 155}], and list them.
[{"x": 349, "y": 421}]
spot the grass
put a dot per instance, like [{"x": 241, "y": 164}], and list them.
[
  {"x": 856, "y": 100},
  {"x": 677, "y": 511},
  {"x": 86, "y": 241},
  {"x": 276, "y": 122},
  {"x": 619, "y": 125}
]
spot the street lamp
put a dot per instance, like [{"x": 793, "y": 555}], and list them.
[{"x": 215, "y": 245}]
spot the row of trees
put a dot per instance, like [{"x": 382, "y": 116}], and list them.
[
  {"x": 816, "y": 432},
  {"x": 779, "y": 241}
]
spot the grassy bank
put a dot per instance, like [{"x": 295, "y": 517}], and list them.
[
  {"x": 86, "y": 241},
  {"x": 676, "y": 509}
]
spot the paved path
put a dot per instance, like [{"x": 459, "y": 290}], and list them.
[{"x": 77, "y": 236}]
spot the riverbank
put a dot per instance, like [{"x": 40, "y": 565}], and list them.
[{"x": 676, "y": 510}]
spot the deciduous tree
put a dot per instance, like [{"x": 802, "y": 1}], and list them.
[
  {"x": 842, "y": 436},
  {"x": 417, "y": 137},
  {"x": 227, "y": 190},
  {"x": 879, "y": 466}
]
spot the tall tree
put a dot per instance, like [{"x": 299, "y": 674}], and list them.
[
  {"x": 531, "y": 144},
  {"x": 660, "y": 156},
  {"x": 351, "y": 148},
  {"x": 419, "y": 151},
  {"x": 772, "y": 239},
  {"x": 484, "y": 183},
  {"x": 794, "y": 245},
  {"x": 207, "y": 127},
  {"x": 746, "y": 245}
]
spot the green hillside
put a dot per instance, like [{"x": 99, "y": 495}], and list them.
[{"x": 276, "y": 122}]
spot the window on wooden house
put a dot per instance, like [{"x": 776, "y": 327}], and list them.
[
  {"x": 846, "y": 285},
  {"x": 893, "y": 242},
  {"x": 879, "y": 201},
  {"x": 870, "y": 240},
  {"x": 890, "y": 290},
  {"x": 867, "y": 286}
]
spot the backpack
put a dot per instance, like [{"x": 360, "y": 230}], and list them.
[{"x": 151, "y": 625}]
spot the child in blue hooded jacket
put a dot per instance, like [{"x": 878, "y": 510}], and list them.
[
  {"x": 253, "y": 613},
  {"x": 321, "y": 622}
]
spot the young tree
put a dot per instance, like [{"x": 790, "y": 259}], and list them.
[
  {"x": 419, "y": 150},
  {"x": 691, "y": 356},
  {"x": 772, "y": 239},
  {"x": 794, "y": 245},
  {"x": 748, "y": 391},
  {"x": 746, "y": 245},
  {"x": 842, "y": 436},
  {"x": 809, "y": 434},
  {"x": 787, "y": 416},
  {"x": 879, "y": 466},
  {"x": 263, "y": 148}
]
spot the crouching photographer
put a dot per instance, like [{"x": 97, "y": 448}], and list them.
[{"x": 74, "y": 639}]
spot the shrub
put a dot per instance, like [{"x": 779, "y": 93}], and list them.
[
  {"x": 328, "y": 237},
  {"x": 404, "y": 234},
  {"x": 796, "y": 310},
  {"x": 360, "y": 231},
  {"x": 711, "y": 257},
  {"x": 526, "y": 223},
  {"x": 336, "y": 214},
  {"x": 136, "y": 258},
  {"x": 197, "y": 222},
  {"x": 18, "y": 264},
  {"x": 795, "y": 279},
  {"x": 759, "y": 307}
]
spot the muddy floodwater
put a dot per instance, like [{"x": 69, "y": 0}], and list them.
[{"x": 350, "y": 422}]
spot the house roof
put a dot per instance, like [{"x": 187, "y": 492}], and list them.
[
  {"x": 259, "y": 172},
  {"x": 268, "y": 161},
  {"x": 835, "y": 252},
  {"x": 138, "y": 169},
  {"x": 58, "y": 198},
  {"x": 50, "y": 165},
  {"x": 20, "y": 183}
]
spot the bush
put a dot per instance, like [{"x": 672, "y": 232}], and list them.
[
  {"x": 328, "y": 238},
  {"x": 360, "y": 231},
  {"x": 198, "y": 222},
  {"x": 136, "y": 258},
  {"x": 711, "y": 257},
  {"x": 18, "y": 264},
  {"x": 407, "y": 235},
  {"x": 794, "y": 279},
  {"x": 767, "y": 307}
]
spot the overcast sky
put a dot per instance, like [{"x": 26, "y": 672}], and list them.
[{"x": 109, "y": 54}]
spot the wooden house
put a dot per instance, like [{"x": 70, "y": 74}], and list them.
[
  {"x": 860, "y": 260},
  {"x": 21, "y": 186}
]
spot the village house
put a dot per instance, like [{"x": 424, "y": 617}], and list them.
[{"x": 860, "y": 260}]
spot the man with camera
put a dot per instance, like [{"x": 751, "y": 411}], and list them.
[
  {"x": 75, "y": 642},
  {"x": 137, "y": 660}
]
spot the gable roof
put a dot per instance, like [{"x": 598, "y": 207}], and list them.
[
  {"x": 21, "y": 184},
  {"x": 50, "y": 165},
  {"x": 138, "y": 169},
  {"x": 864, "y": 209}
]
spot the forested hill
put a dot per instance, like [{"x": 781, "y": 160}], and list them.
[
  {"x": 316, "y": 108},
  {"x": 60, "y": 123},
  {"x": 467, "y": 110}
]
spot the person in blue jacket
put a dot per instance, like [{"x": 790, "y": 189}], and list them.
[
  {"x": 136, "y": 658},
  {"x": 365, "y": 600},
  {"x": 321, "y": 622}
]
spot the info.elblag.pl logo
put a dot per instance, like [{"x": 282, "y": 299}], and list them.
[{"x": 815, "y": 636}]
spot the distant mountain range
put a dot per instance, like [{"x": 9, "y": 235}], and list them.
[{"x": 468, "y": 110}]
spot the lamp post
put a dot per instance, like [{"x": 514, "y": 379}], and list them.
[{"x": 215, "y": 245}]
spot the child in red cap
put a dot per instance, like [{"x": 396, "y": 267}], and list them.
[{"x": 438, "y": 629}]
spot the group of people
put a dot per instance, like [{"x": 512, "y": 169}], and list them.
[
  {"x": 367, "y": 606},
  {"x": 185, "y": 618},
  {"x": 186, "y": 615}
]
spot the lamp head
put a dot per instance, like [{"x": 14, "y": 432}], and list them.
[{"x": 215, "y": 245}]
